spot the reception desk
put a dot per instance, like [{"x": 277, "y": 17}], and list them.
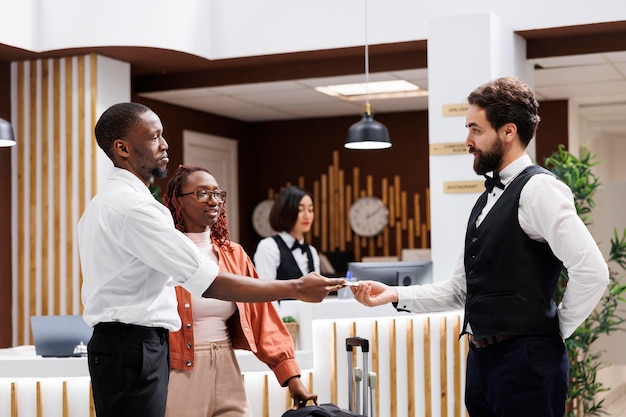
[{"x": 418, "y": 360}]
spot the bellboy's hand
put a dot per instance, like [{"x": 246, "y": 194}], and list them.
[
  {"x": 374, "y": 293},
  {"x": 300, "y": 394},
  {"x": 313, "y": 287}
]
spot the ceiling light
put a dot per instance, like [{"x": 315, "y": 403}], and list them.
[
  {"x": 6, "y": 134},
  {"x": 378, "y": 90},
  {"x": 368, "y": 133}
]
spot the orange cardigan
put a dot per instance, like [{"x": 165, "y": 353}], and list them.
[{"x": 256, "y": 327}]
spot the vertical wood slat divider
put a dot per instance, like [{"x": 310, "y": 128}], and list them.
[
  {"x": 341, "y": 219},
  {"x": 65, "y": 401},
  {"x": 32, "y": 191},
  {"x": 375, "y": 362},
  {"x": 45, "y": 189},
  {"x": 331, "y": 208},
  {"x": 410, "y": 236},
  {"x": 418, "y": 214},
  {"x": 21, "y": 202},
  {"x": 38, "y": 404},
  {"x": 396, "y": 196},
  {"x": 56, "y": 123},
  {"x": 93, "y": 68},
  {"x": 392, "y": 207},
  {"x": 458, "y": 396},
  {"x": 428, "y": 209},
  {"x": 424, "y": 235},
  {"x": 393, "y": 369},
  {"x": 348, "y": 203},
  {"x": 443, "y": 366},
  {"x": 69, "y": 185},
  {"x": 427, "y": 376},
  {"x": 404, "y": 209},
  {"x": 333, "y": 364},
  {"x": 14, "y": 404},
  {"x": 369, "y": 187},
  {"x": 335, "y": 201},
  {"x": 353, "y": 363},
  {"x": 410, "y": 360}
]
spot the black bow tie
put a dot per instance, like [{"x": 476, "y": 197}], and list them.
[
  {"x": 493, "y": 182},
  {"x": 297, "y": 245}
]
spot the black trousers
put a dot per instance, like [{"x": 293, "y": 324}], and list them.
[
  {"x": 525, "y": 376},
  {"x": 129, "y": 369}
]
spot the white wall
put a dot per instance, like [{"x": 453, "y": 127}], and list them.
[{"x": 237, "y": 28}]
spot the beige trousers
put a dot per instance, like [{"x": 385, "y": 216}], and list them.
[{"x": 213, "y": 388}]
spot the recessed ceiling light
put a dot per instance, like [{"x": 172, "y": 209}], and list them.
[{"x": 377, "y": 90}]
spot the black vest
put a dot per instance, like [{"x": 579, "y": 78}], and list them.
[
  {"x": 511, "y": 279},
  {"x": 288, "y": 267}
]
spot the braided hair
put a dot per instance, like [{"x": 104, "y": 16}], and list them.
[{"x": 220, "y": 235}]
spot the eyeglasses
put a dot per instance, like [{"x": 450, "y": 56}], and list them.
[{"x": 203, "y": 196}]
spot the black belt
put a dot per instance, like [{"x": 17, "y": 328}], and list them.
[
  {"x": 489, "y": 340},
  {"x": 118, "y": 328}
]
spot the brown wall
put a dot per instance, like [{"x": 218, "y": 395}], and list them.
[
  {"x": 553, "y": 128},
  {"x": 5, "y": 210},
  {"x": 283, "y": 151}
]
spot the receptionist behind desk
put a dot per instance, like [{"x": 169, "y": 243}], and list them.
[{"x": 286, "y": 255}]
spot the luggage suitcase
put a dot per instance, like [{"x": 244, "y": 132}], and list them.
[{"x": 363, "y": 404}]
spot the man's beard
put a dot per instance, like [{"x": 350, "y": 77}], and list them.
[
  {"x": 490, "y": 159},
  {"x": 159, "y": 172}
]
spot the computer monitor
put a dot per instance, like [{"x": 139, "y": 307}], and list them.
[{"x": 393, "y": 273}]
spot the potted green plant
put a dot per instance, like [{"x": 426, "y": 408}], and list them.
[
  {"x": 292, "y": 326},
  {"x": 584, "y": 362}
]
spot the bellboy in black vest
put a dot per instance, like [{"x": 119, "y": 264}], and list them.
[
  {"x": 286, "y": 255},
  {"x": 520, "y": 233}
]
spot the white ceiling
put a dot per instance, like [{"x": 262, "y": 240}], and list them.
[{"x": 593, "y": 79}]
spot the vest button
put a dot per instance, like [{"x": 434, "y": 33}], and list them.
[
  {"x": 474, "y": 239},
  {"x": 187, "y": 305},
  {"x": 471, "y": 273},
  {"x": 188, "y": 345},
  {"x": 188, "y": 363},
  {"x": 472, "y": 258},
  {"x": 188, "y": 325}
]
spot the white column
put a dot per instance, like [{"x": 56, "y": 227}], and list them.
[{"x": 464, "y": 52}]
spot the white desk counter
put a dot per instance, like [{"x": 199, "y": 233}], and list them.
[{"x": 418, "y": 359}]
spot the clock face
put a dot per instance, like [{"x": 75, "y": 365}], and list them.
[
  {"x": 261, "y": 218},
  {"x": 368, "y": 216}
]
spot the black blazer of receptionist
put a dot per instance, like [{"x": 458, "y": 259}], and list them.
[{"x": 511, "y": 279}]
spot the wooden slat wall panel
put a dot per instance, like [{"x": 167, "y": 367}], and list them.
[{"x": 56, "y": 176}]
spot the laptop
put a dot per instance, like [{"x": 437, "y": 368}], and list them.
[{"x": 59, "y": 336}]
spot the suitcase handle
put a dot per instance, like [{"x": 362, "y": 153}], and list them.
[{"x": 357, "y": 341}]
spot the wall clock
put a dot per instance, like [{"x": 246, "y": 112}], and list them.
[
  {"x": 368, "y": 216},
  {"x": 261, "y": 218}
]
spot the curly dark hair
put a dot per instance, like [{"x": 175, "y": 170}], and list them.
[
  {"x": 220, "y": 235},
  {"x": 508, "y": 100},
  {"x": 115, "y": 123}
]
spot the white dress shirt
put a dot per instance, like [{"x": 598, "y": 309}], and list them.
[
  {"x": 546, "y": 213},
  {"x": 131, "y": 256},
  {"x": 267, "y": 256}
]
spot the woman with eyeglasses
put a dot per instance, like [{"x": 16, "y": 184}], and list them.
[
  {"x": 286, "y": 255},
  {"x": 205, "y": 379}
]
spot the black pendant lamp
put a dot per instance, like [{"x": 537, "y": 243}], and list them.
[
  {"x": 6, "y": 134},
  {"x": 368, "y": 133}
]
